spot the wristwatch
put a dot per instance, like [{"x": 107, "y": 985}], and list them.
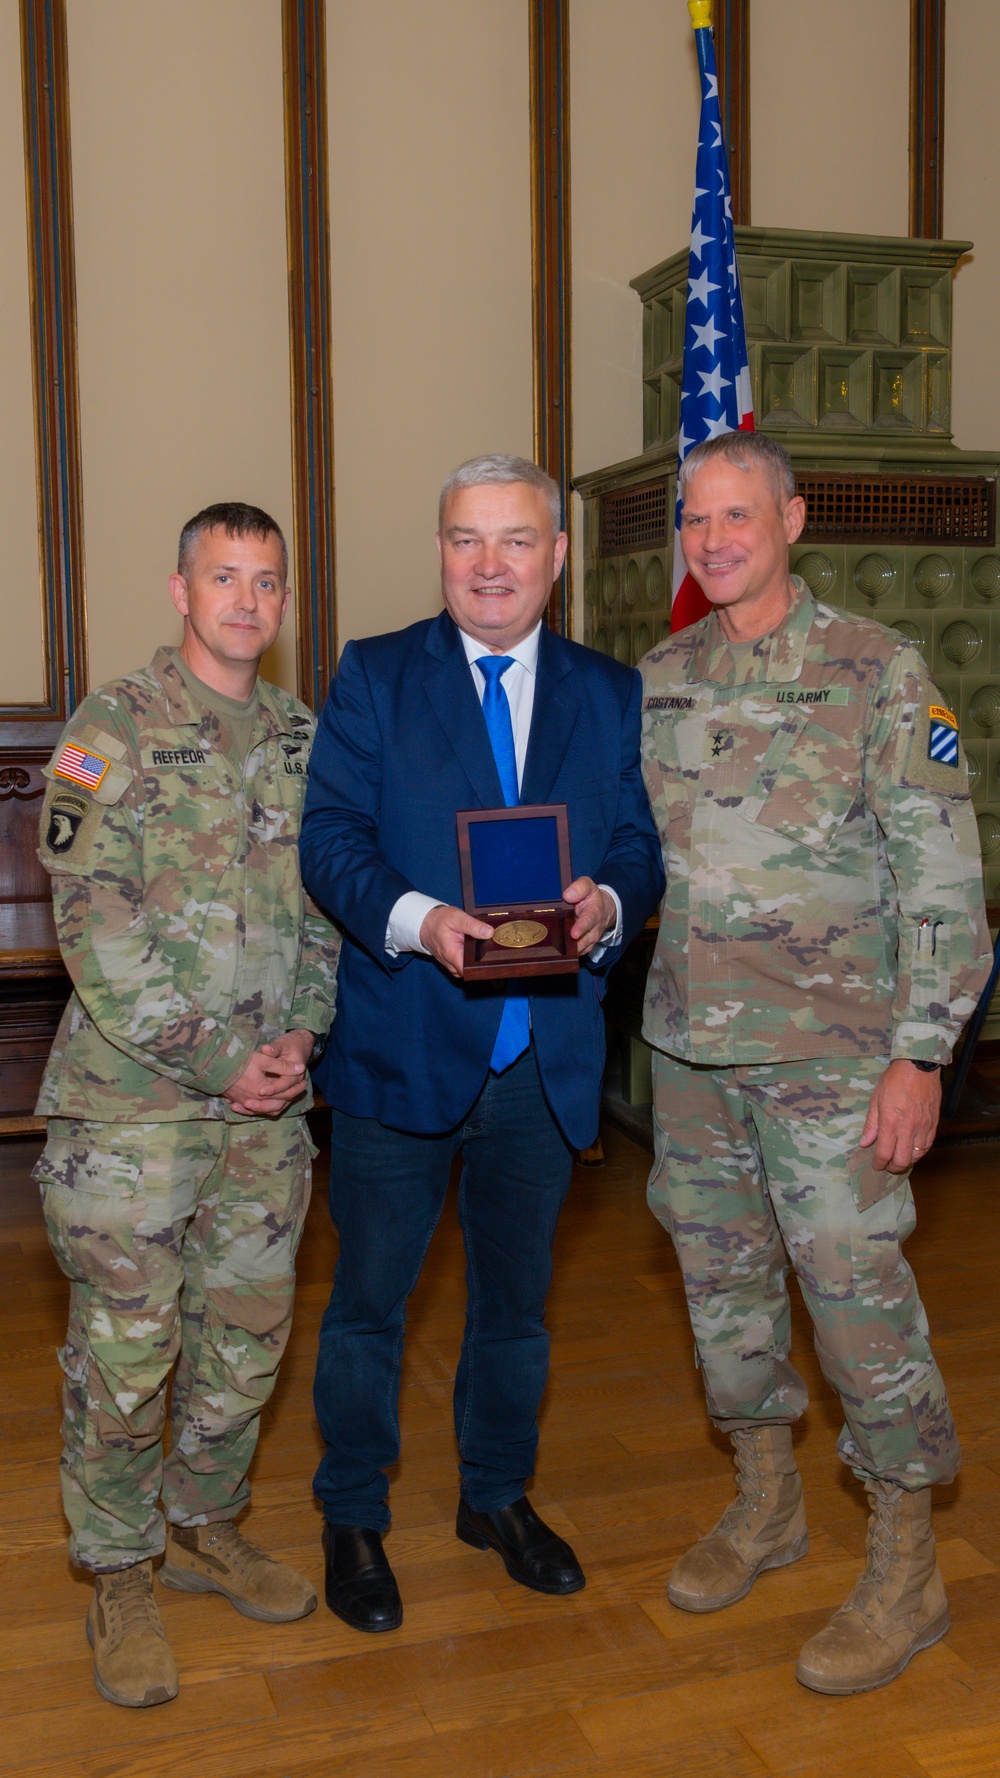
[
  {"x": 925, "y": 1067},
  {"x": 319, "y": 1045}
]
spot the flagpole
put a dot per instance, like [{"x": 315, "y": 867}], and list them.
[
  {"x": 715, "y": 379},
  {"x": 701, "y": 20}
]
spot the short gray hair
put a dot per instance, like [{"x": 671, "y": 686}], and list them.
[
  {"x": 498, "y": 470},
  {"x": 237, "y": 519},
  {"x": 747, "y": 451}
]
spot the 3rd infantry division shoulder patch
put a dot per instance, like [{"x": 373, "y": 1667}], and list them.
[{"x": 942, "y": 740}]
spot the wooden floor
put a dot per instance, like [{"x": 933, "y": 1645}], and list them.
[{"x": 486, "y": 1680}]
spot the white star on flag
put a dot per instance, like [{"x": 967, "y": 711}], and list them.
[
  {"x": 699, "y": 239},
  {"x": 715, "y": 428},
  {"x": 713, "y": 382},
  {"x": 699, "y": 288},
  {"x": 706, "y": 336}
]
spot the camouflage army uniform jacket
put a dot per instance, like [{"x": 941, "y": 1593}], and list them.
[
  {"x": 178, "y": 901},
  {"x": 824, "y": 886}
]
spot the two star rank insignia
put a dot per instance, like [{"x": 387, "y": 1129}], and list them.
[{"x": 942, "y": 742}]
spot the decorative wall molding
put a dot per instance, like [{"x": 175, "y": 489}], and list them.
[
  {"x": 45, "y": 85},
  {"x": 731, "y": 30},
  {"x": 15, "y": 781},
  {"x": 550, "y": 264},
  {"x": 926, "y": 118},
  {"x": 308, "y": 222}
]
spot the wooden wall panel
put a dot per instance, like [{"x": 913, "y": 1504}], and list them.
[{"x": 550, "y": 264}]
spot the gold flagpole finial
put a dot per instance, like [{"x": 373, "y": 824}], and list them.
[{"x": 701, "y": 14}]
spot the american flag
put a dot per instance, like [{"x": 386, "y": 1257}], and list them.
[
  {"x": 715, "y": 387},
  {"x": 81, "y": 767}
]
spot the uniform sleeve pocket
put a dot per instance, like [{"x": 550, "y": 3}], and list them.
[{"x": 930, "y": 970}]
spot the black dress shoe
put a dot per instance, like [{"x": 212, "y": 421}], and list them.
[
  {"x": 360, "y": 1586},
  {"x": 530, "y": 1550}
]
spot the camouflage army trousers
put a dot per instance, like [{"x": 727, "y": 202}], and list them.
[
  {"x": 757, "y": 1169},
  {"x": 179, "y": 1240}
]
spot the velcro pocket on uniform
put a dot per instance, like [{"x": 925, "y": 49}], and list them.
[
  {"x": 935, "y": 758},
  {"x": 661, "y": 765},
  {"x": 114, "y": 783},
  {"x": 930, "y": 970},
  {"x": 806, "y": 785},
  {"x": 868, "y": 1187}
]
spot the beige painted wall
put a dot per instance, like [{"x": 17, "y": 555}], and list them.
[
  {"x": 431, "y": 271},
  {"x": 178, "y": 180},
  {"x": 181, "y": 257},
  {"x": 829, "y": 110},
  {"x": 634, "y": 118},
  {"x": 22, "y": 673},
  {"x": 972, "y": 212}
]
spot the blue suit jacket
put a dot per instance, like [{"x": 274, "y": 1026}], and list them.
[{"x": 402, "y": 745}]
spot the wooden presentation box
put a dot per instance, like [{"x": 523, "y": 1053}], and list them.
[{"x": 515, "y": 864}]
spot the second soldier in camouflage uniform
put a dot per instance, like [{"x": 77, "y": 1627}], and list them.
[
  {"x": 822, "y": 941},
  {"x": 175, "y": 1180}
]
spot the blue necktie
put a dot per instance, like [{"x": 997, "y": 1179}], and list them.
[{"x": 514, "y": 1033}]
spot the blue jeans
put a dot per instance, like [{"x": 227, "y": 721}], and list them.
[{"x": 387, "y": 1191}]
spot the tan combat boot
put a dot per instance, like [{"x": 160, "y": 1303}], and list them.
[
  {"x": 133, "y": 1664},
  {"x": 765, "y": 1527},
  {"x": 897, "y": 1608},
  {"x": 217, "y": 1559}
]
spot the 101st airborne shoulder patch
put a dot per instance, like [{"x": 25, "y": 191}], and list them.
[
  {"x": 942, "y": 736},
  {"x": 66, "y": 817}
]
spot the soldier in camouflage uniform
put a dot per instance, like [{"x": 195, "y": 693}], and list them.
[
  {"x": 822, "y": 940},
  {"x": 176, "y": 1175}
]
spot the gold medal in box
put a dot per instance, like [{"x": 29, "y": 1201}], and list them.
[{"x": 515, "y": 864}]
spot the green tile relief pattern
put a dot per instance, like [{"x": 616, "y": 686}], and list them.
[
  {"x": 845, "y": 343},
  {"x": 625, "y": 600}
]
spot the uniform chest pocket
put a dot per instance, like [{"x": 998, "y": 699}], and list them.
[
  {"x": 276, "y": 789},
  {"x": 294, "y": 771},
  {"x": 192, "y": 815},
  {"x": 668, "y": 741},
  {"x": 807, "y": 783}
]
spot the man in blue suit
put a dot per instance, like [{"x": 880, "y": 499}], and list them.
[{"x": 476, "y": 708}]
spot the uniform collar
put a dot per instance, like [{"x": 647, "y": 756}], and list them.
[
  {"x": 711, "y": 659},
  {"x": 184, "y": 711}
]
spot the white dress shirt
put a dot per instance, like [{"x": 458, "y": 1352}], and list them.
[{"x": 518, "y": 681}]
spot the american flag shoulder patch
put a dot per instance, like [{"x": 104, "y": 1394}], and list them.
[
  {"x": 81, "y": 766},
  {"x": 942, "y": 736}
]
